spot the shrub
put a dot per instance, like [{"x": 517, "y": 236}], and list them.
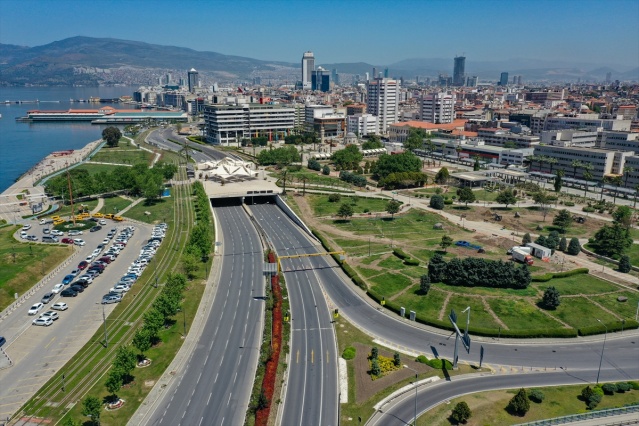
[
  {"x": 375, "y": 370},
  {"x": 448, "y": 202},
  {"x": 569, "y": 204},
  {"x": 594, "y": 400},
  {"x": 461, "y": 413},
  {"x": 374, "y": 352},
  {"x": 400, "y": 253},
  {"x": 396, "y": 359},
  {"x": 536, "y": 395},
  {"x": 422, "y": 359},
  {"x": 313, "y": 164},
  {"x": 588, "y": 209},
  {"x": 551, "y": 299},
  {"x": 424, "y": 284},
  {"x": 634, "y": 385},
  {"x": 349, "y": 353},
  {"x": 326, "y": 170},
  {"x": 437, "y": 202},
  {"x": 411, "y": 262},
  {"x": 609, "y": 388},
  {"x": 624, "y": 264},
  {"x": 334, "y": 198},
  {"x": 623, "y": 387},
  {"x": 519, "y": 404}
]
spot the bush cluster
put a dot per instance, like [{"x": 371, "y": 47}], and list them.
[
  {"x": 349, "y": 353},
  {"x": 278, "y": 156},
  {"x": 477, "y": 272},
  {"x": 550, "y": 275},
  {"x": 313, "y": 164},
  {"x": 436, "y": 363},
  {"x": 353, "y": 178}
]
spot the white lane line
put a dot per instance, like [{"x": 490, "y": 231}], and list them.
[
  {"x": 209, "y": 400},
  {"x": 229, "y": 401}
]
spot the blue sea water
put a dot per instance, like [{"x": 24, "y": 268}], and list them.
[{"x": 23, "y": 145}]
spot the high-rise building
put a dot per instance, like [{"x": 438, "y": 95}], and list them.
[
  {"x": 459, "y": 71},
  {"x": 503, "y": 80},
  {"x": 194, "y": 80},
  {"x": 321, "y": 80},
  {"x": 385, "y": 72},
  {"x": 308, "y": 66},
  {"x": 438, "y": 108},
  {"x": 383, "y": 101},
  {"x": 471, "y": 81}
]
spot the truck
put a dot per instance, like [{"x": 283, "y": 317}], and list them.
[{"x": 522, "y": 256}]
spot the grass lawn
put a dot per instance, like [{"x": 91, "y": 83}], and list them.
[
  {"x": 578, "y": 284},
  {"x": 627, "y": 309},
  {"x": 488, "y": 408},
  {"x": 388, "y": 284},
  {"x": 368, "y": 272},
  {"x": 580, "y": 312},
  {"x": 478, "y": 315},
  {"x": 32, "y": 263},
  {"x": 633, "y": 253},
  {"x": 322, "y": 207},
  {"x": 315, "y": 178},
  {"x": 114, "y": 205},
  {"x": 370, "y": 259},
  {"x": 122, "y": 154},
  {"x": 425, "y": 306},
  {"x": 361, "y": 247},
  {"x": 521, "y": 314},
  {"x": 161, "y": 210},
  {"x": 96, "y": 168},
  {"x": 488, "y": 291},
  {"x": 66, "y": 210}
]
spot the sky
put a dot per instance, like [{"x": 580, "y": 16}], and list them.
[{"x": 379, "y": 32}]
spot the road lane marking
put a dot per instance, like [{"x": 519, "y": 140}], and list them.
[
  {"x": 209, "y": 400},
  {"x": 49, "y": 344},
  {"x": 297, "y": 360},
  {"x": 312, "y": 356},
  {"x": 328, "y": 359}
]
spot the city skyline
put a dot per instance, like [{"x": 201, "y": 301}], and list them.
[{"x": 490, "y": 30}]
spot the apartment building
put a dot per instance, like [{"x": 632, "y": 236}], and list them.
[
  {"x": 362, "y": 124},
  {"x": 576, "y": 138},
  {"x": 383, "y": 101},
  {"x": 609, "y": 124},
  {"x": 623, "y": 141},
  {"x": 602, "y": 160},
  {"x": 438, "y": 108},
  {"x": 229, "y": 124},
  {"x": 502, "y": 137}
]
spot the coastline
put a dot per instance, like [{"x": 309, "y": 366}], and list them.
[{"x": 17, "y": 200}]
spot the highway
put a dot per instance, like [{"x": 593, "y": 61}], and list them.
[
  {"x": 160, "y": 138},
  {"x": 216, "y": 385},
  {"x": 39, "y": 352},
  {"x": 312, "y": 394}
]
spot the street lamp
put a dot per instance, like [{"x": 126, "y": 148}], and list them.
[
  {"x": 415, "y": 419},
  {"x": 602, "y": 349}
]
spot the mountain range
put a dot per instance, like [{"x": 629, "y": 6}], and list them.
[{"x": 83, "y": 61}]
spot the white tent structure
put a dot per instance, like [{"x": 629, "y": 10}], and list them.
[{"x": 228, "y": 169}]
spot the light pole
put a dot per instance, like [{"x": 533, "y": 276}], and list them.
[
  {"x": 415, "y": 371},
  {"x": 602, "y": 349}
]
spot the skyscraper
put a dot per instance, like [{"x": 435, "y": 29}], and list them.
[
  {"x": 308, "y": 66},
  {"x": 503, "y": 80},
  {"x": 459, "y": 72},
  {"x": 438, "y": 108},
  {"x": 383, "y": 101},
  {"x": 320, "y": 80},
  {"x": 194, "y": 80}
]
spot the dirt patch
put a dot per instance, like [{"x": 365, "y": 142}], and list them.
[{"x": 365, "y": 387}]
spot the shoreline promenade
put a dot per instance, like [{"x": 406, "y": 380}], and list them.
[{"x": 17, "y": 200}]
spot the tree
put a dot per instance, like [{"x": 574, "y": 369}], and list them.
[
  {"x": 190, "y": 264},
  {"x": 326, "y": 170},
  {"x": 576, "y": 164},
  {"x": 562, "y": 220},
  {"x": 153, "y": 321},
  {"x": 558, "y": 183},
  {"x": 526, "y": 239},
  {"x": 396, "y": 359},
  {"x": 374, "y": 352},
  {"x": 519, "y": 404},
  {"x": 543, "y": 199},
  {"x": 551, "y": 298},
  {"x": 168, "y": 303},
  {"x": 442, "y": 176},
  {"x": 334, "y": 198},
  {"x": 574, "y": 247},
  {"x": 345, "y": 210},
  {"x": 436, "y": 268},
  {"x": 424, "y": 284},
  {"x": 375, "y": 370},
  {"x": 124, "y": 361},
  {"x": 142, "y": 341},
  {"x": 415, "y": 139},
  {"x": 563, "y": 244},
  {"x": 587, "y": 177},
  {"x": 591, "y": 397},
  {"x": 476, "y": 165},
  {"x": 461, "y": 413},
  {"x": 392, "y": 207},
  {"x": 400, "y": 163},
  {"x": 114, "y": 382},
  {"x": 373, "y": 142},
  {"x": 437, "y": 202},
  {"x": 466, "y": 195},
  {"x": 611, "y": 240},
  {"x": 446, "y": 242},
  {"x": 313, "y": 164},
  {"x": 71, "y": 422},
  {"x": 91, "y": 407},
  {"x": 506, "y": 197},
  {"x": 112, "y": 136},
  {"x": 347, "y": 158},
  {"x": 623, "y": 216},
  {"x": 624, "y": 264}
]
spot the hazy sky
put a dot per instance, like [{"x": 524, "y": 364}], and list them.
[{"x": 373, "y": 31}]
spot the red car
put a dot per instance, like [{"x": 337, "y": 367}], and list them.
[
  {"x": 67, "y": 240},
  {"x": 82, "y": 265}
]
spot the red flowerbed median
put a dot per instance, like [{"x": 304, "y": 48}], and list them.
[{"x": 268, "y": 384}]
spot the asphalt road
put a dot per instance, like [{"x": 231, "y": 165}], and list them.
[
  {"x": 160, "y": 138},
  {"x": 39, "y": 352},
  {"x": 401, "y": 411},
  {"x": 216, "y": 385},
  {"x": 312, "y": 394}
]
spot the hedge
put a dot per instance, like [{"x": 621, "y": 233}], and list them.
[
  {"x": 615, "y": 326},
  {"x": 411, "y": 262},
  {"x": 401, "y": 254},
  {"x": 549, "y": 276}
]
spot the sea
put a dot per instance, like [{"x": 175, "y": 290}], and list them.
[{"x": 23, "y": 145}]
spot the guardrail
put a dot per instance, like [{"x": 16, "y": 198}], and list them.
[
  {"x": 21, "y": 300},
  {"x": 599, "y": 414}
]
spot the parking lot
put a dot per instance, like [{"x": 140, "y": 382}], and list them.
[{"x": 37, "y": 352}]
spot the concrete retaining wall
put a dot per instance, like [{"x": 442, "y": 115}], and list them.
[
  {"x": 290, "y": 213},
  {"x": 607, "y": 259}
]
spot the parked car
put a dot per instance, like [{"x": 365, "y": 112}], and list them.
[
  {"x": 45, "y": 221},
  {"x": 50, "y": 314},
  {"x": 102, "y": 222},
  {"x": 57, "y": 233},
  {"x": 2, "y": 341},
  {"x": 83, "y": 265},
  {"x": 23, "y": 235},
  {"x": 49, "y": 239},
  {"x": 120, "y": 288},
  {"x": 48, "y": 297},
  {"x": 32, "y": 238},
  {"x": 89, "y": 258},
  {"x": 108, "y": 299},
  {"x": 57, "y": 288},
  {"x": 77, "y": 288},
  {"x": 76, "y": 272},
  {"x": 60, "y": 306},
  {"x": 69, "y": 292},
  {"x": 68, "y": 279},
  {"x": 26, "y": 227},
  {"x": 79, "y": 242},
  {"x": 87, "y": 277},
  {"x": 43, "y": 321},
  {"x": 74, "y": 232},
  {"x": 95, "y": 228},
  {"x": 46, "y": 231},
  {"x": 67, "y": 240},
  {"x": 36, "y": 308}
]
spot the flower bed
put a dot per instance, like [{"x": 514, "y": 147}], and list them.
[
  {"x": 268, "y": 384},
  {"x": 115, "y": 405}
]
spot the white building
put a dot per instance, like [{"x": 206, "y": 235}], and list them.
[
  {"x": 438, "y": 108},
  {"x": 584, "y": 139},
  {"x": 383, "y": 101},
  {"x": 586, "y": 122},
  {"x": 229, "y": 124},
  {"x": 308, "y": 66},
  {"x": 362, "y": 124}
]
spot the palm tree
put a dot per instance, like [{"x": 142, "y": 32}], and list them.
[
  {"x": 283, "y": 177},
  {"x": 304, "y": 179},
  {"x": 576, "y": 164},
  {"x": 587, "y": 177},
  {"x": 626, "y": 173},
  {"x": 552, "y": 162},
  {"x": 430, "y": 146},
  {"x": 616, "y": 181}
]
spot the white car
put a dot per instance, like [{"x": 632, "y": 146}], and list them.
[
  {"x": 45, "y": 221},
  {"x": 96, "y": 252},
  {"x": 120, "y": 288},
  {"x": 78, "y": 242},
  {"x": 89, "y": 258},
  {"x": 102, "y": 222},
  {"x": 26, "y": 227},
  {"x": 57, "y": 233},
  {"x": 36, "y": 308},
  {"x": 60, "y": 306},
  {"x": 57, "y": 288},
  {"x": 50, "y": 314},
  {"x": 74, "y": 232},
  {"x": 43, "y": 321},
  {"x": 23, "y": 235},
  {"x": 105, "y": 241}
]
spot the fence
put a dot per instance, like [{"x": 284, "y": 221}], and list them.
[
  {"x": 599, "y": 414},
  {"x": 21, "y": 300}
]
